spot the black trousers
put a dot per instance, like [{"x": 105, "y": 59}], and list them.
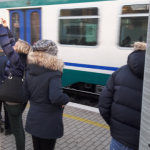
[
  {"x": 1, "y": 106},
  {"x": 7, "y": 123},
  {"x": 43, "y": 144},
  {"x": 15, "y": 118}
]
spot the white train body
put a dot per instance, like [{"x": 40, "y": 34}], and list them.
[{"x": 86, "y": 64}]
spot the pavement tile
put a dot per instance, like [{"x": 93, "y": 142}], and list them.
[
  {"x": 92, "y": 147},
  {"x": 83, "y": 148},
  {"x": 77, "y": 135}
]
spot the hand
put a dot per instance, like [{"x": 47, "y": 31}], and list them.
[
  {"x": 60, "y": 107},
  {"x": 4, "y": 22},
  {"x": 1, "y": 20}
]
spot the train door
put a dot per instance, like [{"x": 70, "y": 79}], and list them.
[{"x": 26, "y": 25}]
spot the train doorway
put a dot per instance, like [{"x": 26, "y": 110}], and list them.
[{"x": 26, "y": 25}]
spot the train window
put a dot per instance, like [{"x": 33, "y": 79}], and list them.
[
  {"x": 79, "y": 12},
  {"x": 15, "y": 26},
  {"x": 133, "y": 27},
  {"x": 35, "y": 27},
  {"x": 130, "y": 9},
  {"x": 78, "y": 30}
]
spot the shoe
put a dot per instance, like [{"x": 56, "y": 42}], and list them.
[
  {"x": 8, "y": 131},
  {"x": 1, "y": 130}
]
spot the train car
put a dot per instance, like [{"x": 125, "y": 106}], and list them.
[{"x": 94, "y": 37}]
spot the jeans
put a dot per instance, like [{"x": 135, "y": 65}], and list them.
[
  {"x": 115, "y": 145},
  {"x": 15, "y": 118},
  {"x": 43, "y": 144}
]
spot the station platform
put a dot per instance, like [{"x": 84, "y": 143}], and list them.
[{"x": 83, "y": 130}]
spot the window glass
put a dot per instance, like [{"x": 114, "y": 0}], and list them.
[
  {"x": 35, "y": 27},
  {"x": 15, "y": 26},
  {"x": 133, "y": 29},
  {"x": 131, "y": 9},
  {"x": 78, "y": 31},
  {"x": 79, "y": 12}
]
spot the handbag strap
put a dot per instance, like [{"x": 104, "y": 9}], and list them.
[{"x": 24, "y": 74}]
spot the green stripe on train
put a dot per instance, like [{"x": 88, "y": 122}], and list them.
[
  {"x": 74, "y": 76},
  {"x": 25, "y": 3}
]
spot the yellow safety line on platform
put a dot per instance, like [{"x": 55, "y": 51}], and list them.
[{"x": 84, "y": 120}]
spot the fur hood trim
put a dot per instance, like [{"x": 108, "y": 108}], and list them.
[
  {"x": 140, "y": 46},
  {"x": 45, "y": 60}
]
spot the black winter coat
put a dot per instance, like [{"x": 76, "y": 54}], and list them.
[
  {"x": 16, "y": 61},
  {"x": 121, "y": 99},
  {"x": 43, "y": 87},
  {"x": 3, "y": 61}
]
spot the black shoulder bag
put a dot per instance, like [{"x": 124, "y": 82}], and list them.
[{"x": 11, "y": 89}]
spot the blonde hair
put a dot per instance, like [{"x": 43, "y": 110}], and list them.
[
  {"x": 139, "y": 46},
  {"x": 23, "y": 47}
]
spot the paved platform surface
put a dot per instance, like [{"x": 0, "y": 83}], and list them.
[{"x": 83, "y": 130}]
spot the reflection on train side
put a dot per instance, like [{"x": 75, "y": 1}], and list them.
[
  {"x": 15, "y": 26},
  {"x": 79, "y": 26},
  {"x": 133, "y": 27},
  {"x": 25, "y": 24}
]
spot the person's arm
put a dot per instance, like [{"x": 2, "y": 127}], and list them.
[
  {"x": 11, "y": 54},
  {"x": 106, "y": 99},
  {"x": 11, "y": 37},
  {"x": 56, "y": 95}
]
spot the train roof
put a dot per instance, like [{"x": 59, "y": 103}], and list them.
[{"x": 26, "y": 3}]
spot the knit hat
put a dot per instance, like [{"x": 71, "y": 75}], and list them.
[{"x": 46, "y": 46}]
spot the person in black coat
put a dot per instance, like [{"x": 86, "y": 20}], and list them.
[
  {"x": 16, "y": 52},
  {"x": 121, "y": 99},
  {"x": 3, "y": 61},
  {"x": 44, "y": 90}
]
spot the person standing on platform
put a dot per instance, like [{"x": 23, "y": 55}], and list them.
[
  {"x": 43, "y": 88},
  {"x": 16, "y": 53},
  {"x": 3, "y": 61},
  {"x": 121, "y": 100}
]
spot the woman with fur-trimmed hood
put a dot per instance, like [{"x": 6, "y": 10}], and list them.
[
  {"x": 121, "y": 100},
  {"x": 44, "y": 90}
]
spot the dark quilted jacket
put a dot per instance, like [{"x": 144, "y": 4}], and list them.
[
  {"x": 44, "y": 90},
  {"x": 16, "y": 61},
  {"x": 3, "y": 61},
  {"x": 121, "y": 99}
]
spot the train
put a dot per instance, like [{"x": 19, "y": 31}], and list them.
[{"x": 94, "y": 37}]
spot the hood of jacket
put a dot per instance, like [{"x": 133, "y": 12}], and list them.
[
  {"x": 136, "y": 60},
  {"x": 44, "y": 62}
]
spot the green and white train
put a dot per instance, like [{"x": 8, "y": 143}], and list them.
[{"x": 94, "y": 37}]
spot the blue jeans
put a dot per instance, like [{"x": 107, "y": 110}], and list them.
[{"x": 115, "y": 145}]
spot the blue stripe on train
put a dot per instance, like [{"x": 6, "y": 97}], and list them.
[{"x": 91, "y": 66}]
